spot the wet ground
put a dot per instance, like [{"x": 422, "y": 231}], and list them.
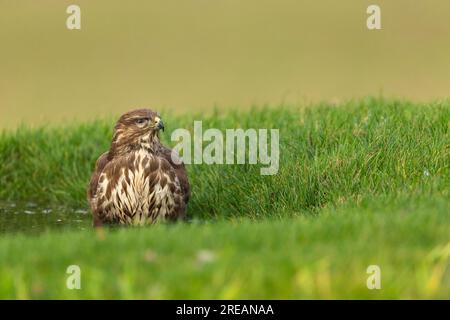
[{"x": 33, "y": 218}]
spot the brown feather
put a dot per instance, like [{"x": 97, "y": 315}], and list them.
[
  {"x": 137, "y": 178},
  {"x": 180, "y": 171}
]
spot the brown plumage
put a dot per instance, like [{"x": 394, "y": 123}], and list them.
[{"x": 137, "y": 181}]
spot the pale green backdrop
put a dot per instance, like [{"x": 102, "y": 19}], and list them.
[{"x": 195, "y": 54}]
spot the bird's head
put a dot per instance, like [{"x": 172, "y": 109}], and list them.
[{"x": 137, "y": 129}]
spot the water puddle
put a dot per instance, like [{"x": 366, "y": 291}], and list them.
[{"x": 33, "y": 218}]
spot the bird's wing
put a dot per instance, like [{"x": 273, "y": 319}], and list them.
[
  {"x": 102, "y": 161},
  {"x": 180, "y": 172}
]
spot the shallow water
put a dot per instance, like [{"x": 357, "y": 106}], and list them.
[{"x": 34, "y": 219}]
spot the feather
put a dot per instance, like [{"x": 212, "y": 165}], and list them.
[{"x": 136, "y": 181}]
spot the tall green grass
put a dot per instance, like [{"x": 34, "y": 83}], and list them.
[
  {"x": 329, "y": 155},
  {"x": 361, "y": 183}
]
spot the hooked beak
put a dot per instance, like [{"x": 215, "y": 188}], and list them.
[{"x": 160, "y": 125}]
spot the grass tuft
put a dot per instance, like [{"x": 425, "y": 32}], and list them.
[
  {"x": 329, "y": 155},
  {"x": 363, "y": 183}
]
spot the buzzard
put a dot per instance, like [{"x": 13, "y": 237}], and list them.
[{"x": 137, "y": 181}]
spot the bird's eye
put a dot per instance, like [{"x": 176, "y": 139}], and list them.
[{"x": 141, "y": 122}]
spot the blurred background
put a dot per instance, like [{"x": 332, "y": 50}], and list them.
[{"x": 187, "y": 55}]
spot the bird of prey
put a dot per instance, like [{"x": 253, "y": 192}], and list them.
[{"x": 138, "y": 181}]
